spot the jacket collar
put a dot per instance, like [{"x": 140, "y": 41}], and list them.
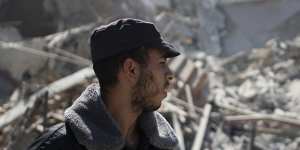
[{"x": 95, "y": 128}]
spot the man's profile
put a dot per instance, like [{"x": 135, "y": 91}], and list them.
[{"x": 130, "y": 62}]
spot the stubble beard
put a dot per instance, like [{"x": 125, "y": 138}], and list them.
[{"x": 144, "y": 89}]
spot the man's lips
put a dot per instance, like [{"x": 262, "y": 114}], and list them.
[{"x": 167, "y": 86}]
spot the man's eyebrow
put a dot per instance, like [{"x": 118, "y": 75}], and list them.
[{"x": 163, "y": 57}]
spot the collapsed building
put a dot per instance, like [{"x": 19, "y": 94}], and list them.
[{"x": 229, "y": 93}]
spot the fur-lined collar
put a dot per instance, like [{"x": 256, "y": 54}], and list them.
[{"x": 95, "y": 128}]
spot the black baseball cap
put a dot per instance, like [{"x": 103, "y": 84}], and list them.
[{"x": 124, "y": 35}]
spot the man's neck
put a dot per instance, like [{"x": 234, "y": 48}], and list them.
[{"x": 121, "y": 109}]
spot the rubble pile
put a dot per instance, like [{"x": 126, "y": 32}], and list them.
[
  {"x": 263, "y": 81},
  {"x": 29, "y": 112},
  {"x": 253, "y": 83},
  {"x": 228, "y": 96},
  {"x": 212, "y": 26}
]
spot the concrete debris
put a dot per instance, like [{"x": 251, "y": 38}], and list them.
[
  {"x": 220, "y": 23},
  {"x": 232, "y": 82},
  {"x": 9, "y": 34},
  {"x": 257, "y": 89},
  {"x": 264, "y": 81},
  {"x": 251, "y": 23},
  {"x": 14, "y": 60}
]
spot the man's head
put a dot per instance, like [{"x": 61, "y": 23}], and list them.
[{"x": 131, "y": 52}]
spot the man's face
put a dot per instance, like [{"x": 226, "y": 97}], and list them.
[{"x": 154, "y": 80}]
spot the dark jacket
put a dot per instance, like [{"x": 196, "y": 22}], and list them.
[{"x": 88, "y": 126}]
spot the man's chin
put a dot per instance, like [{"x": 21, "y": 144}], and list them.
[
  {"x": 152, "y": 107},
  {"x": 155, "y": 103}
]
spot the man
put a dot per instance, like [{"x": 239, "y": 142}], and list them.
[{"x": 130, "y": 61}]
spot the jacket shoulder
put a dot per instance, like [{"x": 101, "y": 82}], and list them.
[{"x": 58, "y": 137}]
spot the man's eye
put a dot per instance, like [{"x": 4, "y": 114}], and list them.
[{"x": 163, "y": 62}]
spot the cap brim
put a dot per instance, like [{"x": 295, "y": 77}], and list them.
[{"x": 168, "y": 49}]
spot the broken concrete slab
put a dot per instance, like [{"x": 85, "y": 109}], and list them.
[
  {"x": 252, "y": 23},
  {"x": 15, "y": 60},
  {"x": 9, "y": 34}
]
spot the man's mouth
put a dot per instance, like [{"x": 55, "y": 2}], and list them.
[{"x": 167, "y": 87}]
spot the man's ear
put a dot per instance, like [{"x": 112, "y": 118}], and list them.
[{"x": 131, "y": 69}]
